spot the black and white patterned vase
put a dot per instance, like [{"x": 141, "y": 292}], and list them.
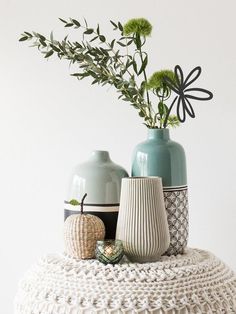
[
  {"x": 160, "y": 156},
  {"x": 176, "y": 203}
]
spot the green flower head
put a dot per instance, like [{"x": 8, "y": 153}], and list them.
[
  {"x": 157, "y": 80},
  {"x": 139, "y": 26}
]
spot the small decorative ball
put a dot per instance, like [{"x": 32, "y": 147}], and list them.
[
  {"x": 81, "y": 232},
  {"x": 109, "y": 251}
]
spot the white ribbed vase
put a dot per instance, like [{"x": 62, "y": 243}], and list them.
[{"x": 142, "y": 221}]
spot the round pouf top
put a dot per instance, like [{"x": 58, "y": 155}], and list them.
[{"x": 195, "y": 282}]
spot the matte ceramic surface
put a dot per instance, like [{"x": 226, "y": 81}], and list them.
[
  {"x": 142, "y": 221},
  {"x": 160, "y": 156},
  {"x": 100, "y": 178}
]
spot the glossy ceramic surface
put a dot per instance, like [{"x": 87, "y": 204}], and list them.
[
  {"x": 100, "y": 178},
  {"x": 160, "y": 156}
]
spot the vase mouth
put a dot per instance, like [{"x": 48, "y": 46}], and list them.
[
  {"x": 100, "y": 155},
  {"x": 160, "y": 129},
  {"x": 154, "y": 133}
]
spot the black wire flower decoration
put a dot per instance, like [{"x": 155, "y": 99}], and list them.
[{"x": 180, "y": 87}]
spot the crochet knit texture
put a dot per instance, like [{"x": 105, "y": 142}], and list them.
[{"x": 195, "y": 282}]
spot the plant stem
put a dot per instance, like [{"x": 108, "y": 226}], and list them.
[
  {"x": 82, "y": 203},
  {"x": 168, "y": 113}
]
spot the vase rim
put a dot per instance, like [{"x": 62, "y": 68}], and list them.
[
  {"x": 98, "y": 151},
  {"x": 102, "y": 155},
  {"x": 162, "y": 134},
  {"x": 159, "y": 129}
]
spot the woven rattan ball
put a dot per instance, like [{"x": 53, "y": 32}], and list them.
[{"x": 81, "y": 232}]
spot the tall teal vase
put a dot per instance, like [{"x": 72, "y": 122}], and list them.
[{"x": 162, "y": 157}]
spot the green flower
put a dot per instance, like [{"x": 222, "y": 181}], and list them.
[
  {"x": 139, "y": 26},
  {"x": 157, "y": 80},
  {"x": 173, "y": 121}
]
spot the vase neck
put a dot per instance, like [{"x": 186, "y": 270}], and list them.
[
  {"x": 100, "y": 156},
  {"x": 162, "y": 134}
]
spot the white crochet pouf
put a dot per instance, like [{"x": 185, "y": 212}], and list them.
[{"x": 195, "y": 282}]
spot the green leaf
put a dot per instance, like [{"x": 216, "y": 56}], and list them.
[
  {"x": 55, "y": 48},
  {"x": 135, "y": 67},
  {"x": 76, "y": 74},
  {"x": 23, "y": 38},
  {"x": 143, "y": 66},
  {"x": 63, "y": 21},
  {"x": 28, "y": 34},
  {"x": 126, "y": 99},
  {"x": 120, "y": 26},
  {"x": 142, "y": 114},
  {"x": 42, "y": 43},
  {"x": 98, "y": 30},
  {"x": 69, "y": 24},
  {"x": 142, "y": 88},
  {"x": 78, "y": 45},
  {"x": 42, "y": 37},
  {"x": 121, "y": 44},
  {"x": 86, "y": 23},
  {"x": 94, "y": 38},
  {"x": 74, "y": 202},
  {"x": 114, "y": 24},
  {"x": 51, "y": 36},
  {"x": 162, "y": 108},
  {"x": 112, "y": 43},
  {"x": 49, "y": 53},
  {"x": 129, "y": 42},
  {"x": 102, "y": 38},
  {"x": 76, "y": 23},
  {"x": 94, "y": 82},
  {"x": 89, "y": 31}
]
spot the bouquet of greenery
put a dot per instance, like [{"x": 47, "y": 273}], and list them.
[{"x": 122, "y": 63}]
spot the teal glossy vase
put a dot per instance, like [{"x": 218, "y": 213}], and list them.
[{"x": 162, "y": 157}]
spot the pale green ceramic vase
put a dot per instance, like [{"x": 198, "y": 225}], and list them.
[
  {"x": 160, "y": 156},
  {"x": 100, "y": 178}
]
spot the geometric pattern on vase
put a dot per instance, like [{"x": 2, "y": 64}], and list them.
[{"x": 176, "y": 203}]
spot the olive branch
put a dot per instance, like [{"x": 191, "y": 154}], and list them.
[{"x": 110, "y": 63}]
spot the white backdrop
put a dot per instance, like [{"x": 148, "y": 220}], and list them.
[{"x": 49, "y": 122}]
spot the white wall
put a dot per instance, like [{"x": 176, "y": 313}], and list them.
[{"x": 49, "y": 122}]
